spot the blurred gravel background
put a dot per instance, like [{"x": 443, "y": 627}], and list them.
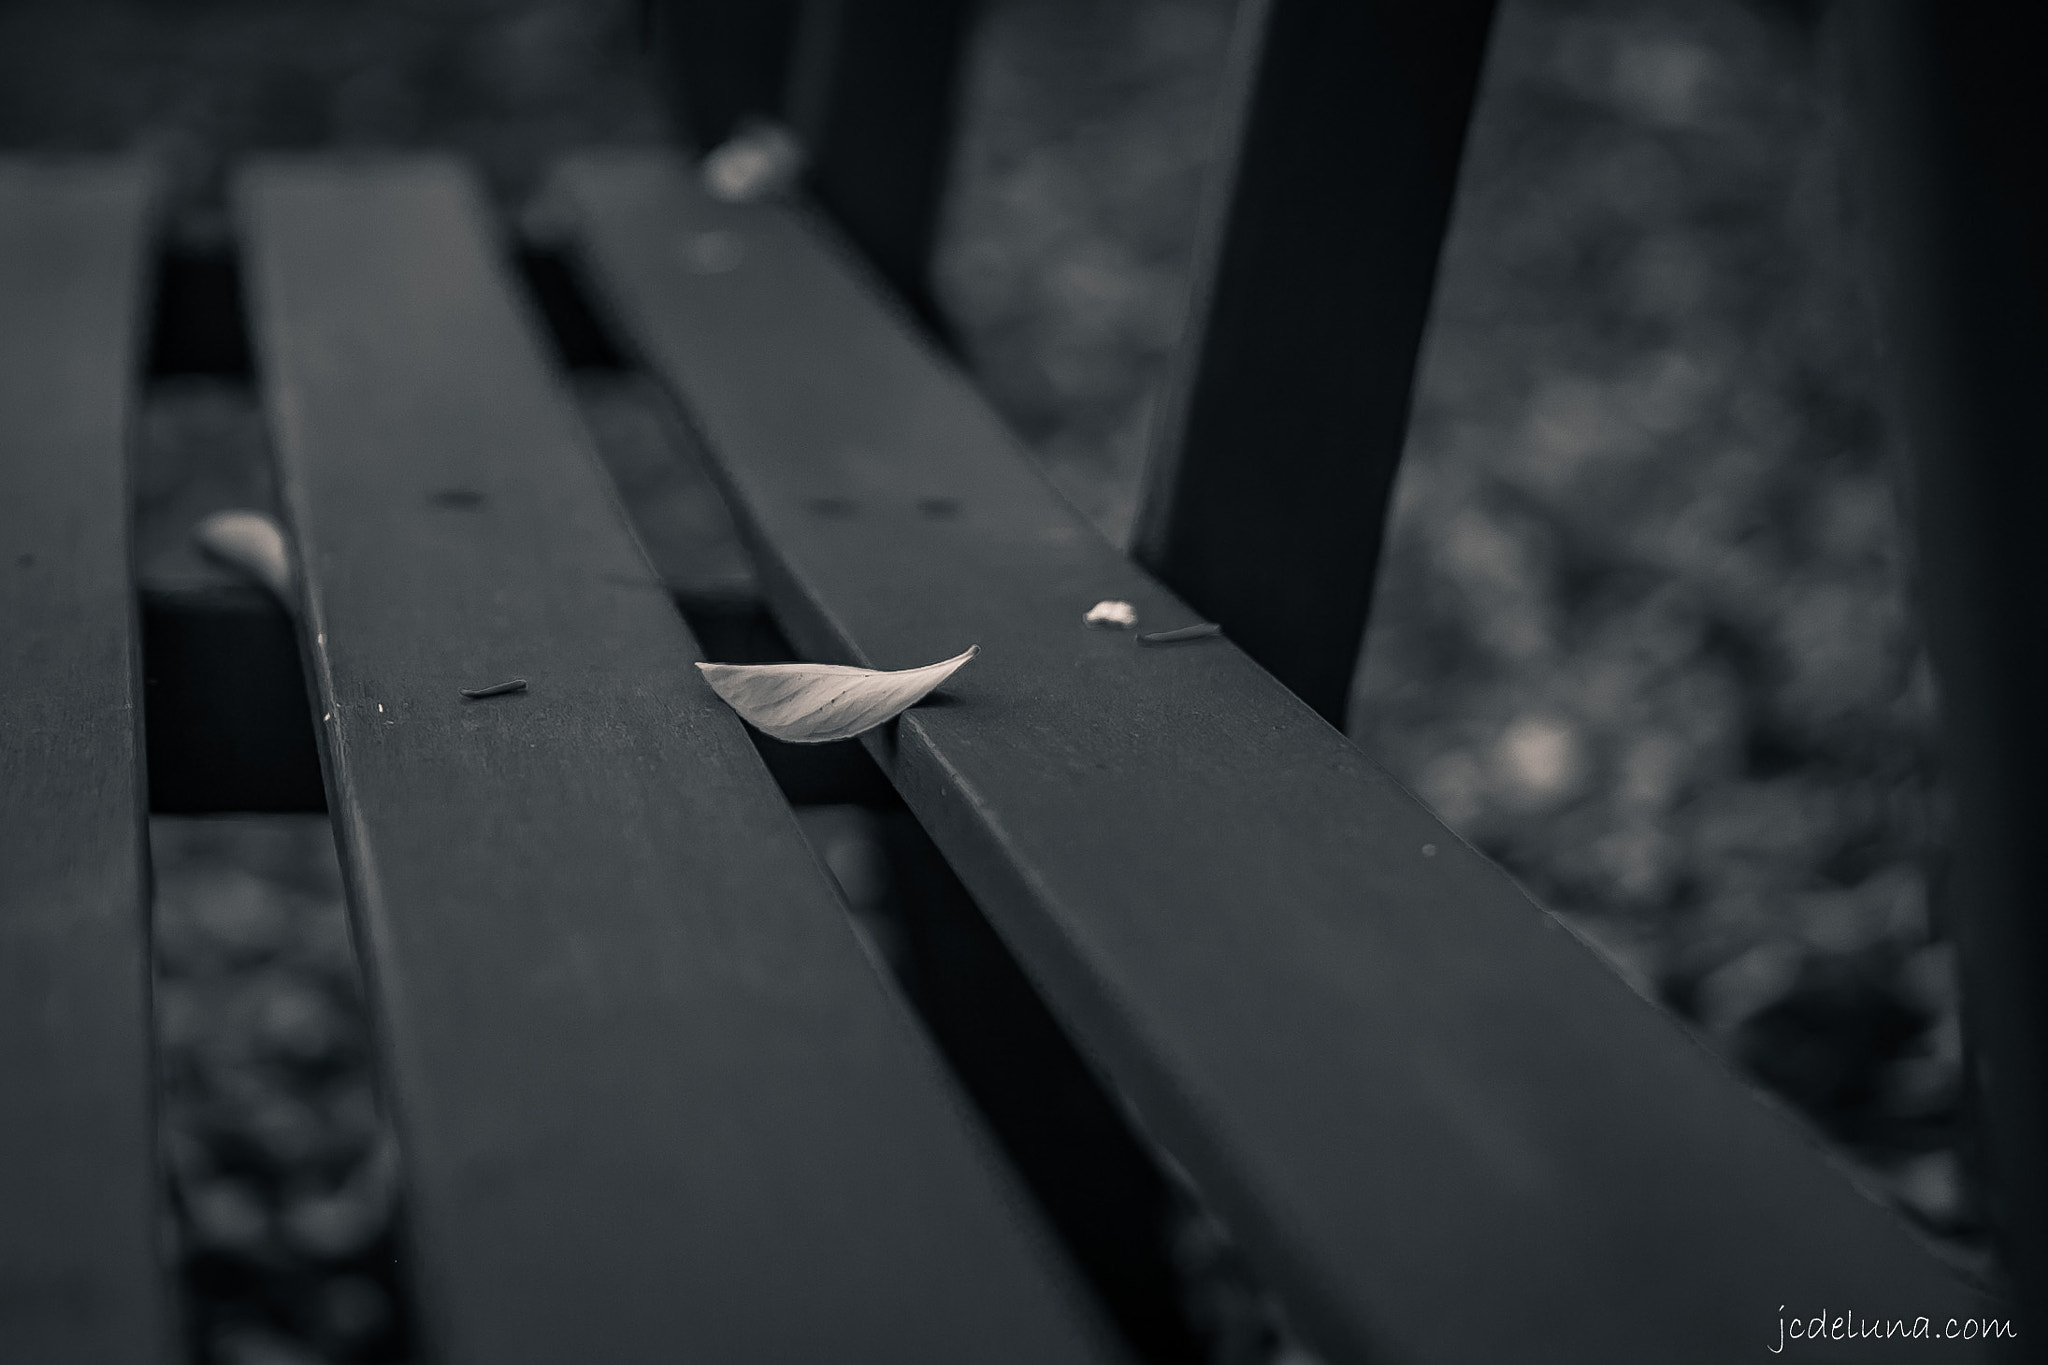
[
  {"x": 1642, "y": 634},
  {"x": 1645, "y": 631},
  {"x": 282, "y": 1171}
]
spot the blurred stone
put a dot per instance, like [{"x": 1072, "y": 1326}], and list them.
[
  {"x": 1653, "y": 771},
  {"x": 266, "y": 1092},
  {"x": 351, "y": 1310},
  {"x": 288, "y": 1130},
  {"x": 342, "y": 1223},
  {"x": 226, "y": 1215},
  {"x": 296, "y": 1021},
  {"x": 1888, "y": 908},
  {"x": 217, "y": 915},
  {"x": 1541, "y": 758},
  {"x": 334, "y": 1227},
  {"x": 1747, "y": 985},
  {"x": 1928, "y": 979},
  {"x": 1825, "y": 1045},
  {"x": 1454, "y": 784},
  {"x": 1665, "y": 80},
  {"x": 1924, "y": 1086},
  {"x": 1641, "y": 861},
  {"x": 1932, "y": 1187}
]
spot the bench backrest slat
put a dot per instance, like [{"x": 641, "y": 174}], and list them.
[
  {"x": 655, "y": 1102},
  {"x": 1441, "y": 1126},
  {"x": 1282, "y": 425},
  {"x": 78, "y": 1194},
  {"x": 872, "y": 89}
]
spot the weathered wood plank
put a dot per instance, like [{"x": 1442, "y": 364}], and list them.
[
  {"x": 78, "y": 1189},
  {"x": 654, "y": 1101},
  {"x": 1444, "y": 1130},
  {"x": 1281, "y": 429}
]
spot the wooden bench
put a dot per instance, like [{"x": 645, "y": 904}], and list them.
[
  {"x": 654, "y": 1099},
  {"x": 78, "y": 1249}
]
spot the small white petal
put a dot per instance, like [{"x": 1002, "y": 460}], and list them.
[
  {"x": 762, "y": 161},
  {"x": 1110, "y": 612}
]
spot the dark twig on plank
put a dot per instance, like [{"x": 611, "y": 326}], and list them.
[
  {"x": 495, "y": 689},
  {"x": 1202, "y": 631}
]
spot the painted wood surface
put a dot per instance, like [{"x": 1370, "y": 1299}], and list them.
[
  {"x": 655, "y": 1103},
  {"x": 1442, "y": 1128},
  {"x": 79, "y": 1280}
]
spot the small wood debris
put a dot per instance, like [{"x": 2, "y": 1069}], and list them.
[{"x": 495, "y": 689}]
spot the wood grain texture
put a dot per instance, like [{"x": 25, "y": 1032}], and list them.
[
  {"x": 1443, "y": 1129},
  {"x": 1282, "y": 424},
  {"x": 78, "y": 1190},
  {"x": 654, "y": 1101}
]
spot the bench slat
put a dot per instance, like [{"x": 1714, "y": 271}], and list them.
[
  {"x": 655, "y": 1102},
  {"x": 1282, "y": 423},
  {"x": 1442, "y": 1127},
  {"x": 78, "y": 1194},
  {"x": 873, "y": 86}
]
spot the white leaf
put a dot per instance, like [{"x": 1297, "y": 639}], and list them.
[
  {"x": 253, "y": 543},
  {"x": 815, "y": 703}
]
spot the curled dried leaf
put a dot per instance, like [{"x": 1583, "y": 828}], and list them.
[
  {"x": 253, "y": 543},
  {"x": 816, "y": 703}
]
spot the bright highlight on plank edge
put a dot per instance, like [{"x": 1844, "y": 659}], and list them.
[{"x": 819, "y": 703}]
